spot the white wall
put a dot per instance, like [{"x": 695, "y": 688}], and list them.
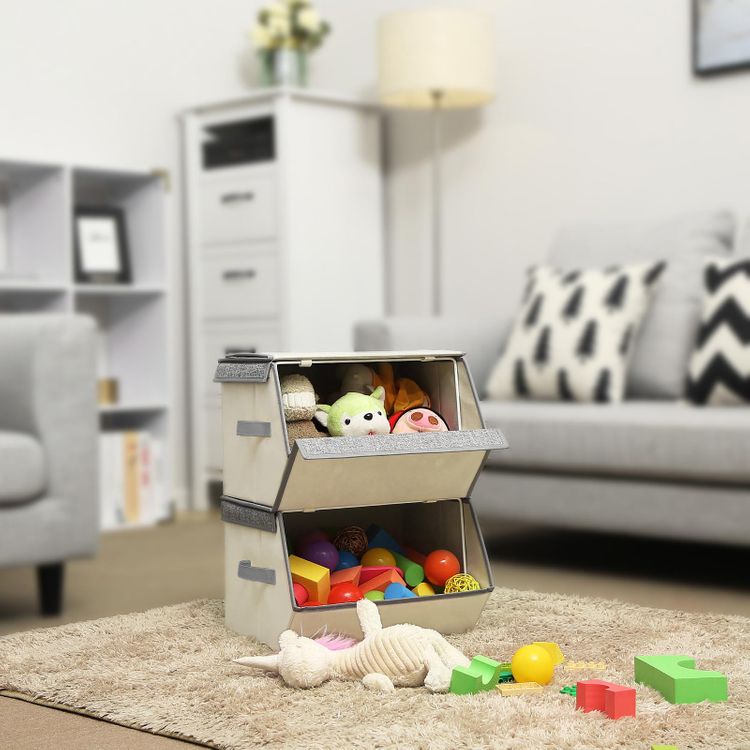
[{"x": 597, "y": 117}]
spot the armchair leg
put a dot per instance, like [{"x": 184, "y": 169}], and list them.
[{"x": 50, "y": 580}]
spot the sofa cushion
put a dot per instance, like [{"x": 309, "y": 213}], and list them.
[
  {"x": 668, "y": 440},
  {"x": 23, "y": 473},
  {"x": 663, "y": 347}
]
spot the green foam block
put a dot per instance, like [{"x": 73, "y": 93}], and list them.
[
  {"x": 676, "y": 678},
  {"x": 482, "y": 674},
  {"x": 413, "y": 572}
]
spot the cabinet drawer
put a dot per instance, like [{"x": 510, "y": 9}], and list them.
[
  {"x": 240, "y": 285},
  {"x": 219, "y": 341},
  {"x": 237, "y": 208}
]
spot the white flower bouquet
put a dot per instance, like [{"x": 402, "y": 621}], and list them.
[{"x": 289, "y": 24}]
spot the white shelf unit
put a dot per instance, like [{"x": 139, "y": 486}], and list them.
[
  {"x": 285, "y": 237},
  {"x": 37, "y": 203}
]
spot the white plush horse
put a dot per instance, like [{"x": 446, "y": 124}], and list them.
[{"x": 397, "y": 656}]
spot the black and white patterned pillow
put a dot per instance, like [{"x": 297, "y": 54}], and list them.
[
  {"x": 574, "y": 334},
  {"x": 719, "y": 370}
]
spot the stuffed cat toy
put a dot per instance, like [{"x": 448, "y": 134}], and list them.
[
  {"x": 355, "y": 415},
  {"x": 397, "y": 656}
]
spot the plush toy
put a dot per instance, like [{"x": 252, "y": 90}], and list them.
[
  {"x": 397, "y": 656},
  {"x": 400, "y": 393},
  {"x": 417, "y": 420},
  {"x": 355, "y": 415},
  {"x": 298, "y": 400}
]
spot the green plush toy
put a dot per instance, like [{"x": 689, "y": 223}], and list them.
[{"x": 355, "y": 415}]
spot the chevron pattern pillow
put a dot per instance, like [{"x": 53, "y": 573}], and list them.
[
  {"x": 574, "y": 334},
  {"x": 719, "y": 371}
]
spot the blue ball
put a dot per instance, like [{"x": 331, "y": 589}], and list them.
[
  {"x": 346, "y": 560},
  {"x": 398, "y": 591}
]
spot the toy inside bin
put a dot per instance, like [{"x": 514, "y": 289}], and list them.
[{"x": 416, "y": 486}]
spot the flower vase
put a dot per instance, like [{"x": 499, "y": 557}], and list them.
[{"x": 284, "y": 67}]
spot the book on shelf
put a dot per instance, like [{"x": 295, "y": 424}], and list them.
[{"x": 131, "y": 479}]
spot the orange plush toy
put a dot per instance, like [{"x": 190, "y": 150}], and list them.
[{"x": 400, "y": 393}]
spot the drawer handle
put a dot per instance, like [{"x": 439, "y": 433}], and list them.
[
  {"x": 239, "y": 273},
  {"x": 237, "y": 197},
  {"x": 248, "y": 572},
  {"x": 253, "y": 429},
  {"x": 239, "y": 350}
]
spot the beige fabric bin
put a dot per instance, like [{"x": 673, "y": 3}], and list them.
[{"x": 416, "y": 486}]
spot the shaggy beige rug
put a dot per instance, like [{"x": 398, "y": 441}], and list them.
[{"x": 169, "y": 671}]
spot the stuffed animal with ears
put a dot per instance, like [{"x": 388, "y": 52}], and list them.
[
  {"x": 298, "y": 400},
  {"x": 417, "y": 420},
  {"x": 400, "y": 393},
  {"x": 397, "y": 656},
  {"x": 355, "y": 415}
]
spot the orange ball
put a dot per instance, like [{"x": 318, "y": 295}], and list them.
[
  {"x": 440, "y": 565},
  {"x": 378, "y": 557}
]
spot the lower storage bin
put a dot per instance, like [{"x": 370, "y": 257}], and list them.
[{"x": 259, "y": 592}]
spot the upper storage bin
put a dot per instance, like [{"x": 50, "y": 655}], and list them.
[{"x": 330, "y": 472}]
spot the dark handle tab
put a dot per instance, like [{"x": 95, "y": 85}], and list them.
[
  {"x": 239, "y": 273},
  {"x": 237, "y": 197},
  {"x": 230, "y": 350},
  {"x": 253, "y": 429},
  {"x": 247, "y": 572}
]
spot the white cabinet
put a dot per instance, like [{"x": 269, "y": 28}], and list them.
[{"x": 284, "y": 237}]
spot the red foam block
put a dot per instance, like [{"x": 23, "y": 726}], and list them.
[
  {"x": 371, "y": 571},
  {"x": 598, "y": 695}
]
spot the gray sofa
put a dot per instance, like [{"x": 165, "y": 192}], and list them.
[
  {"x": 48, "y": 446},
  {"x": 653, "y": 465}
]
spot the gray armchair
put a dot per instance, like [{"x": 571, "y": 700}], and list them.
[{"x": 48, "y": 446}]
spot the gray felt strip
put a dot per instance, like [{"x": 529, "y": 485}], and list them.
[
  {"x": 247, "y": 572},
  {"x": 253, "y": 429}
]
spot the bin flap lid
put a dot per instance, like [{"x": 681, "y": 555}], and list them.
[
  {"x": 382, "y": 469},
  {"x": 252, "y": 367}
]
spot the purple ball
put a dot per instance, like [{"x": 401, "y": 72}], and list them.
[{"x": 321, "y": 552}]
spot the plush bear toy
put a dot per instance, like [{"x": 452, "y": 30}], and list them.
[
  {"x": 355, "y": 415},
  {"x": 298, "y": 400}
]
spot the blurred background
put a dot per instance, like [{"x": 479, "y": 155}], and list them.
[{"x": 179, "y": 180}]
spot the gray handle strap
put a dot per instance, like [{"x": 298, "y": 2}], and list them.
[
  {"x": 247, "y": 572},
  {"x": 253, "y": 429}
]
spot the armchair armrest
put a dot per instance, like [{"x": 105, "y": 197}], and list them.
[
  {"x": 48, "y": 389},
  {"x": 482, "y": 340}
]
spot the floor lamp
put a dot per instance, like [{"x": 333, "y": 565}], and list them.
[{"x": 436, "y": 59}]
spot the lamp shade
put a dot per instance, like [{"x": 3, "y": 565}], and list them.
[{"x": 447, "y": 52}]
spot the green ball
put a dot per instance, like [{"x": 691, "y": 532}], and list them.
[{"x": 374, "y": 595}]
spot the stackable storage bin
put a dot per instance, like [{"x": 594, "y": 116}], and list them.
[{"x": 416, "y": 486}]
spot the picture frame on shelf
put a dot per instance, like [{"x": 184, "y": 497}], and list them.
[
  {"x": 721, "y": 36},
  {"x": 101, "y": 246}
]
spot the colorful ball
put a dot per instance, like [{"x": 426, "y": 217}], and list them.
[
  {"x": 352, "y": 539},
  {"x": 311, "y": 604},
  {"x": 461, "y": 582},
  {"x": 321, "y": 552},
  {"x": 440, "y": 565},
  {"x": 343, "y": 593},
  {"x": 300, "y": 594},
  {"x": 346, "y": 560},
  {"x": 378, "y": 557},
  {"x": 532, "y": 664},
  {"x": 375, "y": 595}
]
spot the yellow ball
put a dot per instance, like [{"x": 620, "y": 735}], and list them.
[
  {"x": 532, "y": 664},
  {"x": 377, "y": 557}
]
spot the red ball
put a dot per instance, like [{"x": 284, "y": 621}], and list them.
[
  {"x": 440, "y": 565},
  {"x": 343, "y": 593},
  {"x": 300, "y": 594},
  {"x": 311, "y": 604}
]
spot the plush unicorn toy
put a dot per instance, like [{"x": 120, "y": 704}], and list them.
[{"x": 397, "y": 656}]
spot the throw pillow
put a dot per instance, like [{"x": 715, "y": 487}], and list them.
[
  {"x": 719, "y": 372},
  {"x": 574, "y": 334}
]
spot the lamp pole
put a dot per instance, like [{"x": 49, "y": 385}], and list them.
[{"x": 437, "y": 245}]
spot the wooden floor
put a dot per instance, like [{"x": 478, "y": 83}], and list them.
[{"x": 183, "y": 560}]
